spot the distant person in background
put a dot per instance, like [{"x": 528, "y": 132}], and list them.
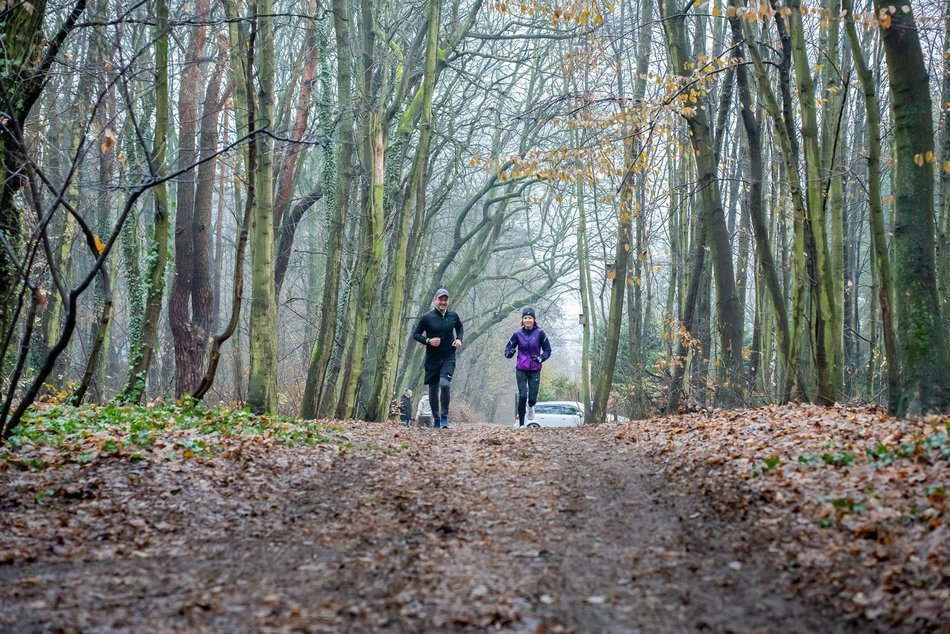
[
  {"x": 440, "y": 331},
  {"x": 405, "y": 407},
  {"x": 533, "y": 347},
  {"x": 424, "y": 412}
]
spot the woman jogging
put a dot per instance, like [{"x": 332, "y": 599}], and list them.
[{"x": 533, "y": 348}]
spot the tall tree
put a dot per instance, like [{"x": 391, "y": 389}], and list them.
[
  {"x": 784, "y": 131},
  {"x": 729, "y": 312},
  {"x": 142, "y": 349},
  {"x": 824, "y": 309},
  {"x": 943, "y": 243},
  {"x": 373, "y": 91},
  {"x": 314, "y": 393},
  {"x": 925, "y": 359},
  {"x": 757, "y": 218},
  {"x": 262, "y": 382},
  {"x": 878, "y": 234},
  {"x": 190, "y": 302}
]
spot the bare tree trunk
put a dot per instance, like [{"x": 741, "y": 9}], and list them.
[
  {"x": 943, "y": 239},
  {"x": 824, "y": 310},
  {"x": 601, "y": 388},
  {"x": 323, "y": 347},
  {"x": 250, "y": 206},
  {"x": 241, "y": 60},
  {"x": 218, "y": 256},
  {"x": 100, "y": 331},
  {"x": 882, "y": 265},
  {"x": 923, "y": 338},
  {"x": 262, "y": 382},
  {"x": 202, "y": 291},
  {"x": 67, "y": 251},
  {"x": 763, "y": 249},
  {"x": 684, "y": 334},
  {"x": 729, "y": 313},
  {"x": 851, "y": 247},
  {"x": 637, "y": 309},
  {"x": 186, "y": 319},
  {"x": 788, "y": 147},
  {"x": 835, "y": 82},
  {"x": 374, "y": 89},
  {"x": 586, "y": 289},
  {"x": 287, "y": 174},
  {"x": 141, "y": 355},
  {"x": 413, "y": 207}
]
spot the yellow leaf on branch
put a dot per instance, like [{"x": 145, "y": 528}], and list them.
[{"x": 108, "y": 140}]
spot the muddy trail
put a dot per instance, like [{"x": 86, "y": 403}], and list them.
[{"x": 475, "y": 528}]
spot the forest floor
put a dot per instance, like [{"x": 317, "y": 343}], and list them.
[{"x": 790, "y": 519}]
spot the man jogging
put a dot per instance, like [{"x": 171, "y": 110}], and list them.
[{"x": 440, "y": 331}]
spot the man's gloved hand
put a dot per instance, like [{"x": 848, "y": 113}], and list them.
[
  {"x": 537, "y": 358},
  {"x": 509, "y": 354}
]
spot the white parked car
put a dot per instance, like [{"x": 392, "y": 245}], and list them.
[{"x": 557, "y": 414}]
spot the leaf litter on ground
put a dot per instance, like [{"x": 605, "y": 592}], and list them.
[
  {"x": 852, "y": 499},
  {"x": 850, "y": 502}
]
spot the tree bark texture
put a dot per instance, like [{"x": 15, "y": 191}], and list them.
[
  {"x": 189, "y": 304},
  {"x": 157, "y": 250},
  {"x": 924, "y": 355},
  {"x": 882, "y": 265},
  {"x": 262, "y": 381},
  {"x": 824, "y": 310},
  {"x": 323, "y": 347}
]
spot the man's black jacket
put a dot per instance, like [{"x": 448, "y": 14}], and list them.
[{"x": 435, "y": 324}]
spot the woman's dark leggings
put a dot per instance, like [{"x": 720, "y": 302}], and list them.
[{"x": 528, "y": 382}]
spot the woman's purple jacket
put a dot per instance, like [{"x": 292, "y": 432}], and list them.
[{"x": 533, "y": 348}]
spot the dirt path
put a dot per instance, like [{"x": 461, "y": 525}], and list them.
[{"x": 470, "y": 529}]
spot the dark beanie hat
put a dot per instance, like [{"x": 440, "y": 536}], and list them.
[{"x": 526, "y": 311}]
